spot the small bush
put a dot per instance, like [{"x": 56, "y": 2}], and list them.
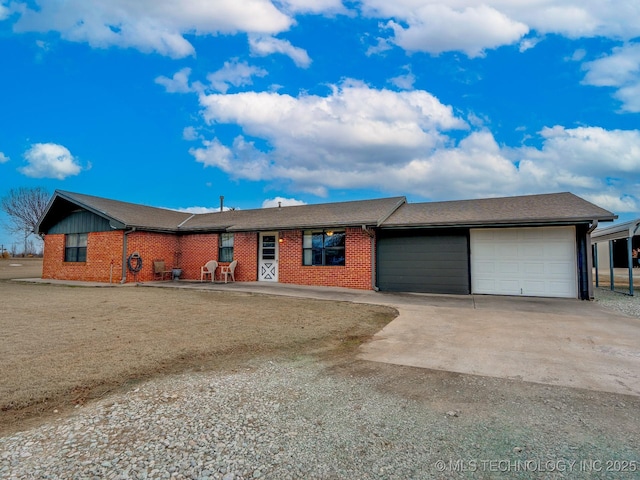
[{"x": 5, "y": 255}]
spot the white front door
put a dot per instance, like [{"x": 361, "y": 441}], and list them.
[{"x": 268, "y": 257}]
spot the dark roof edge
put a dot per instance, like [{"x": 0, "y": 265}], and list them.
[
  {"x": 506, "y": 223},
  {"x": 69, "y": 197},
  {"x": 46, "y": 212}
]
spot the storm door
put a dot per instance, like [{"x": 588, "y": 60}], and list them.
[{"x": 268, "y": 257}]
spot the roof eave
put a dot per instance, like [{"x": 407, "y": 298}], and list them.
[
  {"x": 499, "y": 223},
  {"x": 305, "y": 226},
  {"x": 115, "y": 223}
]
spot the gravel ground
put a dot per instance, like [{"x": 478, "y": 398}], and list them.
[
  {"x": 304, "y": 418},
  {"x": 299, "y": 419},
  {"x": 618, "y": 301}
]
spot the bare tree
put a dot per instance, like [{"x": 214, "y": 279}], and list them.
[{"x": 24, "y": 207}]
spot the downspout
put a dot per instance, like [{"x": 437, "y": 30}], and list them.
[
  {"x": 630, "y": 263},
  {"x": 124, "y": 255},
  {"x": 589, "y": 248},
  {"x": 372, "y": 237}
]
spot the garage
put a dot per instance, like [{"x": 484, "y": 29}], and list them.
[
  {"x": 536, "y": 261},
  {"x": 423, "y": 262}
]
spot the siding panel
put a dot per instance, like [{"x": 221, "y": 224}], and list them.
[{"x": 81, "y": 222}]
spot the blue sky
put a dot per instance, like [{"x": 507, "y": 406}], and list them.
[{"x": 174, "y": 103}]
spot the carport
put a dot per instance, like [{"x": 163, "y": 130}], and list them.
[{"x": 613, "y": 248}]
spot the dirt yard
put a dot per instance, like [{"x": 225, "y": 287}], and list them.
[{"x": 61, "y": 346}]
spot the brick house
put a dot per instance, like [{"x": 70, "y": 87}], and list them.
[{"x": 534, "y": 245}]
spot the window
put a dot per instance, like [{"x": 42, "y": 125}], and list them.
[
  {"x": 323, "y": 247},
  {"x": 225, "y": 251},
  {"x": 75, "y": 247}
]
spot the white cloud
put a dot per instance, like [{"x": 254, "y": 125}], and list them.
[
  {"x": 437, "y": 28},
  {"x": 320, "y": 142},
  {"x": 214, "y": 154},
  {"x": 234, "y": 73},
  {"x": 352, "y": 124},
  {"x": 630, "y": 97},
  {"x": 179, "y": 83},
  {"x": 620, "y": 70},
  {"x": 3, "y": 158},
  {"x": 591, "y": 151},
  {"x": 190, "y": 134},
  {"x": 243, "y": 160},
  {"x": 199, "y": 209},
  {"x": 472, "y": 26},
  {"x": 405, "y": 81},
  {"x": 262, "y": 46},
  {"x": 281, "y": 201},
  {"x": 4, "y": 12},
  {"x": 529, "y": 43},
  {"x": 313, "y": 6},
  {"x": 50, "y": 160},
  {"x": 357, "y": 137},
  {"x": 578, "y": 55},
  {"x": 382, "y": 45},
  {"x": 614, "y": 202},
  {"x": 150, "y": 25}
]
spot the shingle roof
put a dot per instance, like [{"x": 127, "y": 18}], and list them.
[
  {"x": 363, "y": 212},
  {"x": 123, "y": 213},
  {"x": 527, "y": 209},
  {"x": 391, "y": 212}
]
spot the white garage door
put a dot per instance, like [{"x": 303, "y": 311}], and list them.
[{"x": 534, "y": 262}]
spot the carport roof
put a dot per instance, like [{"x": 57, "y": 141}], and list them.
[
  {"x": 616, "y": 232},
  {"x": 545, "y": 209}
]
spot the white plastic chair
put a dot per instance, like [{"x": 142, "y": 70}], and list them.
[
  {"x": 229, "y": 270},
  {"x": 209, "y": 268}
]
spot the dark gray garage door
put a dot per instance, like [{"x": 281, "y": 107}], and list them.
[{"x": 409, "y": 262}]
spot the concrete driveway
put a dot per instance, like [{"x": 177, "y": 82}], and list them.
[
  {"x": 562, "y": 342},
  {"x": 552, "y": 341}
]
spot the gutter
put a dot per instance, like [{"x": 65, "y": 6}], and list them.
[
  {"x": 124, "y": 256},
  {"x": 372, "y": 237}
]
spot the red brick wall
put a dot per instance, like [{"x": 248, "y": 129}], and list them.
[
  {"x": 245, "y": 250},
  {"x": 356, "y": 273},
  {"x": 190, "y": 252},
  {"x": 195, "y": 251},
  {"x": 103, "y": 248},
  {"x": 151, "y": 246}
]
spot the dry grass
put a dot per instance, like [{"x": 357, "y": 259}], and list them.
[{"x": 60, "y": 345}]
